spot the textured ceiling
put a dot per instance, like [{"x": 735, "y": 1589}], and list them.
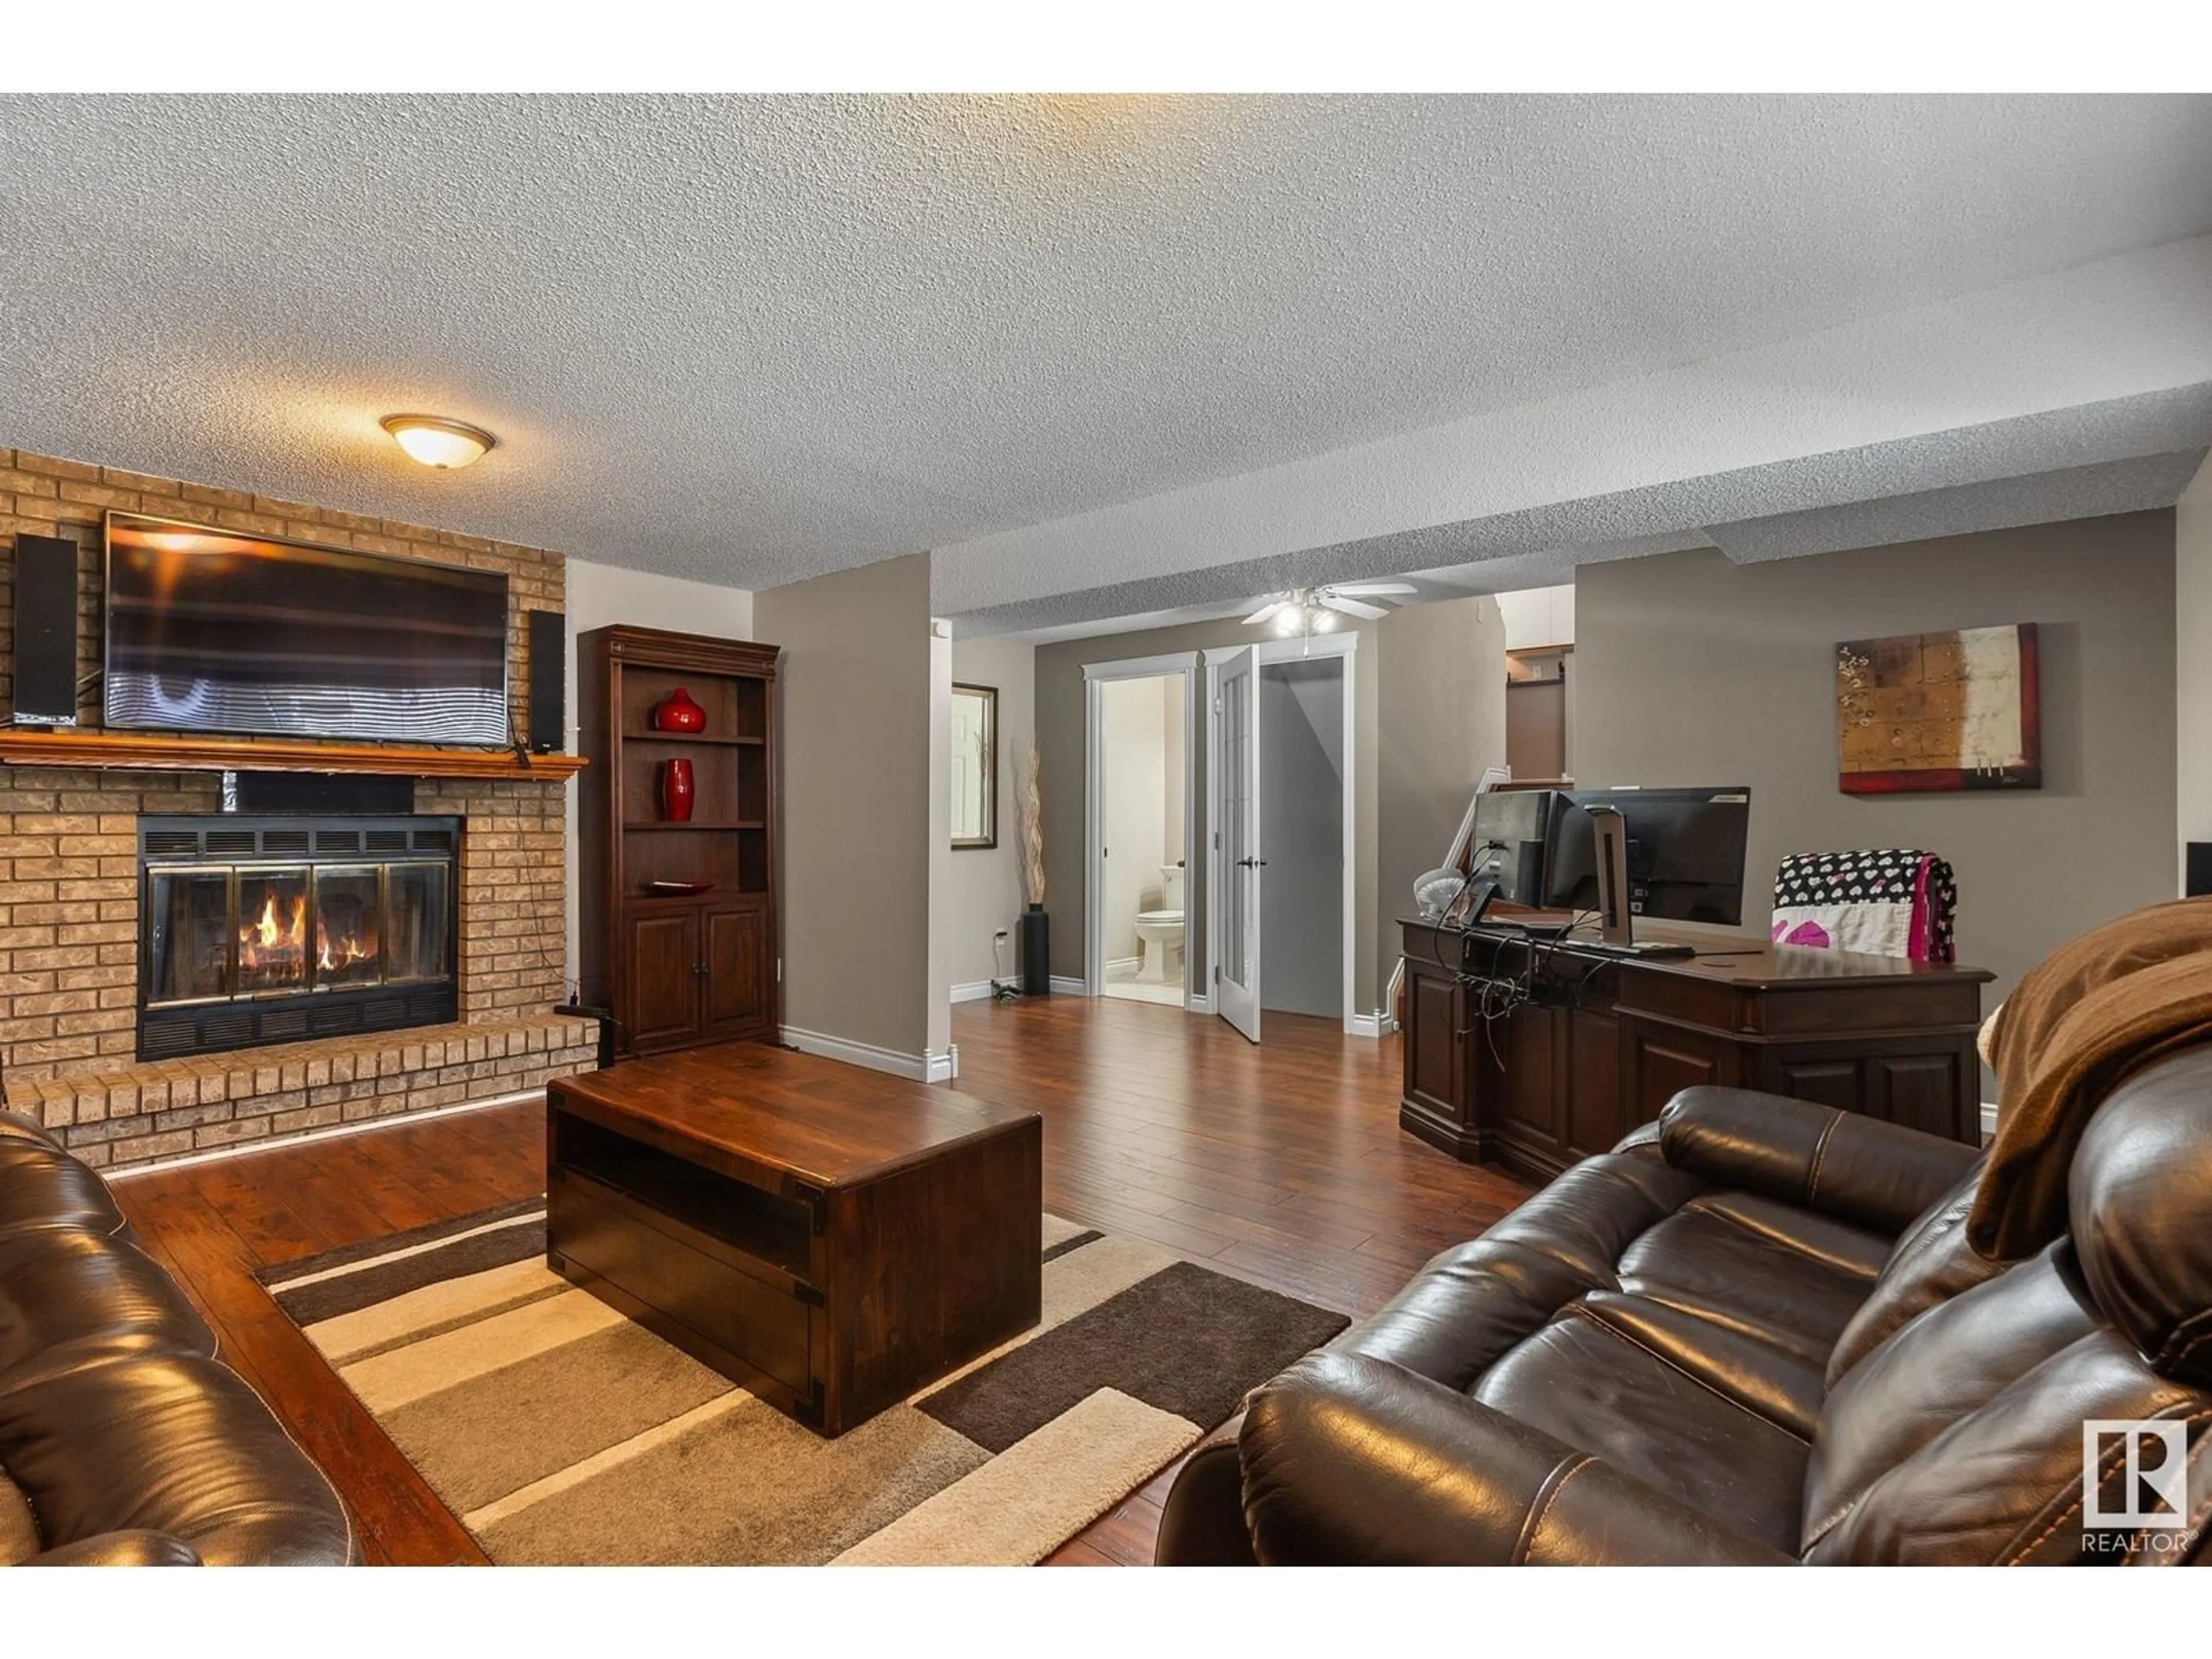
[{"x": 750, "y": 339}]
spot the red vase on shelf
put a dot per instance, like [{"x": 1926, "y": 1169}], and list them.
[
  {"x": 677, "y": 791},
  {"x": 678, "y": 713}
]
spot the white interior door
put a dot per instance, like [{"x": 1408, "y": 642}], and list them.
[{"x": 1235, "y": 769}]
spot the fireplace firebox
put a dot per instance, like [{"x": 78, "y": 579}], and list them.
[{"x": 255, "y": 930}]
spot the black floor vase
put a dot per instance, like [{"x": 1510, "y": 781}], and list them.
[{"x": 1036, "y": 952}]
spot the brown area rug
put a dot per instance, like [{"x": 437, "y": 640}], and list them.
[{"x": 561, "y": 1434}]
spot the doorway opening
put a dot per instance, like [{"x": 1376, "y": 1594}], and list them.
[
  {"x": 1302, "y": 932},
  {"x": 1138, "y": 920}
]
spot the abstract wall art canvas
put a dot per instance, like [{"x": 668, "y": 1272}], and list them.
[{"x": 1955, "y": 710}]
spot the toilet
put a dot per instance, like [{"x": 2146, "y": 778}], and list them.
[{"x": 1160, "y": 932}]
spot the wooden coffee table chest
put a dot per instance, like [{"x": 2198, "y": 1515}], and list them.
[{"x": 830, "y": 1238}]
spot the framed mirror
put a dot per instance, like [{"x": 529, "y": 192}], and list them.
[{"x": 975, "y": 766}]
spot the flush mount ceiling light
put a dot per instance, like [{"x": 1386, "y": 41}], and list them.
[{"x": 438, "y": 442}]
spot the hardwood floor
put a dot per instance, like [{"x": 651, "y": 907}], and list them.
[{"x": 1281, "y": 1164}]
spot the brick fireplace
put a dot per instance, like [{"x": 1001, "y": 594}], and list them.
[{"x": 75, "y": 890}]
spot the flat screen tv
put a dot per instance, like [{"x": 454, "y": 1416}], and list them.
[{"x": 213, "y": 630}]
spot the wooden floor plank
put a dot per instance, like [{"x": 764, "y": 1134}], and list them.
[{"x": 1281, "y": 1163}]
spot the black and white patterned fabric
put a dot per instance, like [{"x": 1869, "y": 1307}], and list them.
[{"x": 1889, "y": 902}]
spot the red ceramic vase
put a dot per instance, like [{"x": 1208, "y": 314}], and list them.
[
  {"x": 677, "y": 791},
  {"x": 679, "y": 713}
]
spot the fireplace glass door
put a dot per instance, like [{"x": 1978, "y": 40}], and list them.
[
  {"x": 188, "y": 935},
  {"x": 268, "y": 929},
  {"x": 416, "y": 923},
  {"x": 347, "y": 903},
  {"x": 272, "y": 931}
]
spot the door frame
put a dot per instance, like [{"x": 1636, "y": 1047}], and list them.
[
  {"x": 1094, "y": 677},
  {"x": 1346, "y": 645}
]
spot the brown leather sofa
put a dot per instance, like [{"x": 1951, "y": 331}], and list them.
[
  {"x": 122, "y": 1439},
  {"x": 1752, "y": 1333}
]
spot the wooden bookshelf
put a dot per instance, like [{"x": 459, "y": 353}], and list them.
[{"x": 678, "y": 970}]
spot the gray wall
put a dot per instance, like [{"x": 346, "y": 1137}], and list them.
[
  {"x": 1302, "y": 831},
  {"x": 983, "y": 891},
  {"x": 859, "y": 823},
  {"x": 2193, "y": 628},
  {"x": 1697, "y": 670},
  {"x": 1429, "y": 715}
]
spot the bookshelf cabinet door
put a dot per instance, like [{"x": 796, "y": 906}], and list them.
[
  {"x": 738, "y": 972},
  {"x": 663, "y": 984}
]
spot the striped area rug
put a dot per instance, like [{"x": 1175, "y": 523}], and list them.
[{"x": 561, "y": 1434}]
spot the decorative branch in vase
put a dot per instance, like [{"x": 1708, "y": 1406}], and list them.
[{"x": 1035, "y": 925}]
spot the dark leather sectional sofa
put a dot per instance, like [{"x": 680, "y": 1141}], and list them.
[
  {"x": 1753, "y": 1333},
  {"x": 122, "y": 1438}
]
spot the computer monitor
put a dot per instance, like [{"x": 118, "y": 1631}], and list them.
[
  {"x": 1685, "y": 851},
  {"x": 1520, "y": 820}
]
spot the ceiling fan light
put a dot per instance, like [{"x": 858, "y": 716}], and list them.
[{"x": 437, "y": 442}]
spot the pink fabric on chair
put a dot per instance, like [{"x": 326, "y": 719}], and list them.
[{"x": 1892, "y": 901}]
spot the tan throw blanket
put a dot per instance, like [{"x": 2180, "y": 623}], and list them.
[{"x": 2091, "y": 1014}]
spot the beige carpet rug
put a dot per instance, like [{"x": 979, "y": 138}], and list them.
[{"x": 561, "y": 1433}]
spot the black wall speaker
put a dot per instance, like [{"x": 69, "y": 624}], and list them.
[
  {"x": 45, "y": 631},
  {"x": 2198, "y": 873},
  {"x": 548, "y": 682}
]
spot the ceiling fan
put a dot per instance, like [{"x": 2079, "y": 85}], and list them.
[{"x": 1311, "y": 610}]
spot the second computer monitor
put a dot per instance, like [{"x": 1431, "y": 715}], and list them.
[{"x": 1685, "y": 851}]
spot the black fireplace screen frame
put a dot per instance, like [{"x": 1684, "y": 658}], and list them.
[{"x": 244, "y": 846}]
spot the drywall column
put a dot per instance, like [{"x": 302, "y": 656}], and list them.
[
  {"x": 2193, "y": 624},
  {"x": 983, "y": 890},
  {"x": 944, "y": 1061},
  {"x": 861, "y": 806},
  {"x": 1443, "y": 725}
]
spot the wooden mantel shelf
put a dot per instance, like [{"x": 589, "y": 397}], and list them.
[{"x": 153, "y": 751}]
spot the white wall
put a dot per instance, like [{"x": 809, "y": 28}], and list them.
[
  {"x": 1173, "y": 772},
  {"x": 982, "y": 891},
  {"x": 1134, "y": 768},
  {"x": 599, "y": 594},
  {"x": 1538, "y": 616},
  {"x": 2192, "y": 619}
]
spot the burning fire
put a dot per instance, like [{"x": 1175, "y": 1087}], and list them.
[
  {"x": 276, "y": 945},
  {"x": 349, "y": 949},
  {"x": 270, "y": 943}
]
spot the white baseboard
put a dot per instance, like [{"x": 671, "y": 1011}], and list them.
[
  {"x": 1197, "y": 1005},
  {"x": 1124, "y": 964},
  {"x": 977, "y": 990},
  {"x": 1377, "y": 1024},
  {"x": 1064, "y": 987},
  {"x": 922, "y": 1068}
]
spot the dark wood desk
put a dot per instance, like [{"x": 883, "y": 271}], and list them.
[
  {"x": 832, "y": 1239},
  {"x": 1605, "y": 1042}
]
